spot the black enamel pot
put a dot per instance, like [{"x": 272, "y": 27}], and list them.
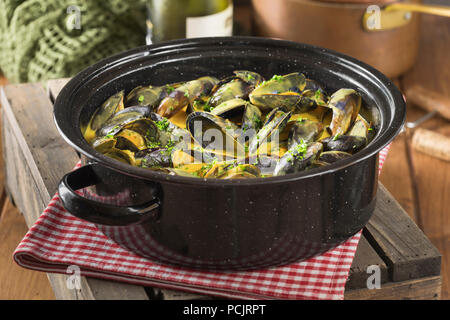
[{"x": 217, "y": 224}]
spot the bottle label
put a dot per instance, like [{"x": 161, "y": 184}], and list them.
[{"x": 215, "y": 25}]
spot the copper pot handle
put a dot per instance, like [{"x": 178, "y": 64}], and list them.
[{"x": 397, "y": 14}]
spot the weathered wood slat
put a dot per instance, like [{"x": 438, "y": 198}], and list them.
[
  {"x": 401, "y": 244},
  {"x": 418, "y": 289},
  {"x": 364, "y": 258},
  {"x": 36, "y": 159}
]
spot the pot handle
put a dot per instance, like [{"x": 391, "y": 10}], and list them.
[
  {"x": 397, "y": 14},
  {"x": 98, "y": 212}
]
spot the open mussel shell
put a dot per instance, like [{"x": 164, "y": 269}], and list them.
[
  {"x": 350, "y": 144},
  {"x": 149, "y": 96},
  {"x": 153, "y": 158},
  {"x": 251, "y": 122},
  {"x": 313, "y": 95},
  {"x": 234, "y": 89},
  {"x": 362, "y": 128},
  {"x": 130, "y": 140},
  {"x": 125, "y": 156},
  {"x": 279, "y": 91},
  {"x": 107, "y": 110},
  {"x": 169, "y": 131},
  {"x": 214, "y": 133},
  {"x": 333, "y": 156},
  {"x": 181, "y": 157},
  {"x": 185, "y": 95},
  {"x": 271, "y": 130},
  {"x": 230, "y": 108},
  {"x": 298, "y": 159},
  {"x": 231, "y": 170},
  {"x": 104, "y": 144},
  {"x": 121, "y": 119},
  {"x": 304, "y": 130},
  {"x": 251, "y": 77},
  {"x": 265, "y": 163},
  {"x": 242, "y": 171},
  {"x": 316, "y": 164},
  {"x": 345, "y": 104}
]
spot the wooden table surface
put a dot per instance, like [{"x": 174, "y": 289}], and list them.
[{"x": 419, "y": 182}]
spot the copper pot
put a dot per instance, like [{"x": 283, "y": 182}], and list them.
[{"x": 388, "y": 41}]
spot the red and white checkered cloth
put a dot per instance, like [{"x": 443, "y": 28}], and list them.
[{"x": 58, "y": 240}]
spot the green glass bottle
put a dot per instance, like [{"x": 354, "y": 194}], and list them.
[{"x": 177, "y": 19}]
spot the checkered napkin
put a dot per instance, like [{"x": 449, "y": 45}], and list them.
[{"x": 58, "y": 240}]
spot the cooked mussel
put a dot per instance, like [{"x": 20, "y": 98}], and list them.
[
  {"x": 254, "y": 79},
  {"x": 149, "y": 96},
  {"x": 271, "y": 130},
  {"x": 313, "y": 95},
  {"x": 215, "y": 134},
  {"x": 153, "y": 158},
  {"x": 345, "y": 104},
  {"x": 238, "y": 86},
  {"x": 333, "y": 156},
  {"x": 184, "y": 95},
  {"x": 230, "y": 108},
  {"x": 350, "y": 144},
  {"x": 125, "y": 156},
  {"x": 121, "y": 119},
  {"x": 298, "y": 158},
  {"x": 104, "y": 144},
  {"x": 231, "y": 170},
  {"x": 280, "y": 91},
  {"x": 130, "y": 140},
  {"x": 265, "y": 163},
  {"x": 234, "y": 89},
  {"x": 107, "y": 110},
  {"x": 304, "y": 131}
]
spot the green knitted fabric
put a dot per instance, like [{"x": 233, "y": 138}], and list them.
[{"x": 38, "y": 43}]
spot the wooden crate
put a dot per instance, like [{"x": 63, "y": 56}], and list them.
[{"x": 36, "y": 158}]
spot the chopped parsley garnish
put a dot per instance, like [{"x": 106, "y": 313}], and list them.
[
  {"x": 170, "y": 89},
  {"x": 109, "y": 136},
  {"x": 336, "y": 137},
  {"x": 277, "y": 78},
  {"x": 141, "y": 99},
  {"x": 250, "y": 77},
  {"x": 186, "y": 93},
  {"x": 257, "y": 121},
  {"x": 208, "y": 108},
  {"x": 163, "y": 124},
  {"x": 301, "y": 149},
  {"x": 153, "y": 144},
  {"x": 317, "y": 94},
  {"x": 370, "y": 129}
]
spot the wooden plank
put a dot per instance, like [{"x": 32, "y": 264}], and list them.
[
  {"x": 37, "y": 157},
  {"x": 365, "y": 257},
  {"x": 408, "y": 253},
  {"x": 418, "y": 289},
  {"x": 443, "y": 245},
  {"x": 54, "y": 87},
  {"x": 397, "y": 175},
  {"x": 432, "y": 73},
  {"x": 17, "y": 283}
]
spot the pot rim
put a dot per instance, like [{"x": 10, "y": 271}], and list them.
[{"x": 382, "y": 139}]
